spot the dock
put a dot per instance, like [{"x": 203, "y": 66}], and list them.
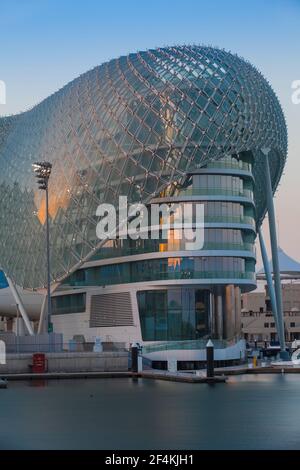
[
  {"x": 66, "y": 375},
  {"x": 242, "y": 370},
  {"x": 181, "y": 376},
  {"x": 147, "y": 374},
  {"x": 221, "y": 375}
]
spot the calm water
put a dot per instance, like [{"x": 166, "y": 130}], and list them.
[{"x": 251, "y": 412}]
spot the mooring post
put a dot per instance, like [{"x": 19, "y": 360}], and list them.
[
  {"x": 210, "y": 359},
  {"x": 134, "y": 357}
]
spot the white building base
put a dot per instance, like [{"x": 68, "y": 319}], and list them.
[{"x": 230, "y": 353}]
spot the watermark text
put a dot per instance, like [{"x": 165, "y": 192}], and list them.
[
  {"x": 296, "y": 92},
  {"x": 138, "y": 221},
  {"x": 2, "y": 92},
  {"x": 2, "y": 353}
]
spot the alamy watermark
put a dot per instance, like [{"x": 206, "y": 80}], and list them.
[
  {"x": 2, "y": 353},
  {"x": 138, "y": 221},
  {"x": 2, "y": 92},
  {"x": 296, "y": 92}
]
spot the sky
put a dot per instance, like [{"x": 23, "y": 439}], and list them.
[{"x": 45, "y": 44}]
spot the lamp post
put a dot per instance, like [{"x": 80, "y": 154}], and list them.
[
  {"x": 42, "y": 172},
  {"x": 18, "y": 333}
]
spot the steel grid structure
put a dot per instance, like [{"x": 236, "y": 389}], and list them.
[{"x": 128, "y": 127}]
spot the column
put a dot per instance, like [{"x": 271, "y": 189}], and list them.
[
  {"x": 274, "y": 247},
  {"x": 219, "y": 315},
  {"x": 268, "y": 278}
]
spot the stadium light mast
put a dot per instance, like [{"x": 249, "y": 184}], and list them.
[{"x": 42, "y": 172}]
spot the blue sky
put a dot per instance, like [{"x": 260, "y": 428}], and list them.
[{"x": 46, "y": 43}]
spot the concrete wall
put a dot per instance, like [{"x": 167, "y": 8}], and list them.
[
  {"x": 28, "y": 344},
  {"x": 254, "y": 326},
  {"x": 69, "y": 362},
  {"x": 78, "y": 323},
  {"x": 235, "y": 351},
  {"x": 290, "y": 297},
  {"x": 254, "y": 301}
]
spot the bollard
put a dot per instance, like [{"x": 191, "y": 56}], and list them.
[
  {"x": 134, "y": 357},
  {"x": 210, "y": 359}
]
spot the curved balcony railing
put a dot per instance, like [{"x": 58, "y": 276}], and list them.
[
  {"x": 214, "y": 192},
  {"x": 230, "y": 165},
  {"x": 161, "y": 247},
  {"x": 162, "y": 276},
  {"x": 183, "y": 345},
  {"x": 229, "y": 246},
  {"x": 229, "y": 219}
]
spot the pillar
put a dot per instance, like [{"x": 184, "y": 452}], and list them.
[
  {"x": 274, "y": 248},
  {"x": 268, "y": 278},
  {"x": 219, "y": 316}
]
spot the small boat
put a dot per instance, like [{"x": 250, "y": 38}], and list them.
[
  {"x": 3, "y": 383},
  {"x": 272, "y": 350},
  {"x": 294, "y": 362}
]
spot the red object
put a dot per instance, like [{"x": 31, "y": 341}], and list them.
[{"x": 38, "y": 363}]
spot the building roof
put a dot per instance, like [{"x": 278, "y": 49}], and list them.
[
  {"x": 3, "y": 280},
  {"x": 289, "y": 267},
  {"x": 131, "y": 127}
]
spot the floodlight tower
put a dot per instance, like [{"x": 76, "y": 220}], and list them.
[{"x": 42, "y": 172}]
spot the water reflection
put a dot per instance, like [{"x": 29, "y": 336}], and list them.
[
  {"x": 38, "y": 383},
  {"x": 249, "y": 412}
]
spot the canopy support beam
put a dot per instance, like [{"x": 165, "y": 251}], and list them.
[
  {"x": 20, "y": 305},
  {"x": 274, "y": 248}
]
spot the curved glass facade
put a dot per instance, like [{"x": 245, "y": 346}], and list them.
[
  {"x": 134, "y": 126},
  {"x": 174, "y": 125},
  {"x": 174, "y": 314},
  {"x": 221, "y": 185},
  {"x": 226, "y": 267},
  {"x": 214, "y": 239}
]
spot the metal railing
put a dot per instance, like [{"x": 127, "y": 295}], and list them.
[
  {"x": 183, "y": 345},
  {"x": 229, "y": 219},
  {"x": 53, "y": 343},
  {"x": 163, "y": 276},
  {"x": 232, "y": 166},
  {"x": 161, "y": 247},
  {"x": 215, "y": 192},
  {"x": 269, "y": 313}
]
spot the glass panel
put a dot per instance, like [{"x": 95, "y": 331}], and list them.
[
  {"x": 163, "y": 269},
  {"x": 73, "y": 303},
  {"x": 174, "y": 314}
]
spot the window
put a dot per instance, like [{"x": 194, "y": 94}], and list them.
[
  {"x": 71, "y": 303},
  {"x": 268, "y": 305},
  {"x": 261, "y": 310},
  {"x": 174, "y": 314},
  {"x": 166, "y": 268},
  {"x": 266, "y": 325},
  {"x": 292, "y": 324},
  {"x": 295, "y": 335},
  {"x": 272, "y": 325}
]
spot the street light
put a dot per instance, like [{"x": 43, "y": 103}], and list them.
[{"x": 42, "y": 172}]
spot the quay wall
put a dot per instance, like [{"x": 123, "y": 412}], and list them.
[{"x": 69, "y": 362}]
